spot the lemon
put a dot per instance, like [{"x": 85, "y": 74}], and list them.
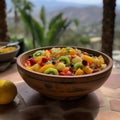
[{"x": 8, "y": 91}]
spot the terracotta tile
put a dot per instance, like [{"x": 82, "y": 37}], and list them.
[
  {"x": 100, "y": 97},
  {"x": 113, "y": 93},
  {"x": 113, "y": 81},
  {"x": 115, "y": 105},
  {"x": 11, "y": 74},
  {"x": 85, "y": 108},
  {"x": 119, "y": 94},
  {"x": 14, "y": 79},
  {"x": 108, "y": 116},
  {"x": 116, "y": 71}
]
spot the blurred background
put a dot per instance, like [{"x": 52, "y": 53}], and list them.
[{"x": 60, "y": 22}]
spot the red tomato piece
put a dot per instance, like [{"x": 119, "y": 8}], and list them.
[
  {"x": 73, "y": 70},
  {"x": 98, "y": 66},
  {"x": 45, "y": 59},
  {"x": 62, "y": 73},
  {"x": 41, "y": 64},
  {"x": 27, "y": 63},
  {"x": 32, "y": 61},
  {"x": 73, "y": 56},
  {"x": 78, "y": 54},
  {"x": 92, "y": 65},
  {"x": 94, "y": 71},
  {"x": 69, "y": 73}
]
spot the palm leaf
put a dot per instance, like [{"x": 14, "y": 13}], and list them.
[
  {"x": 55, "y": 32},
  {"x": 39, "y": 32},
  {"x": 28, "y": 23},
  {"x": 43, "y": 17},
  {"x": 55, "y": 19},
  {"x": 25, "y": 17}
]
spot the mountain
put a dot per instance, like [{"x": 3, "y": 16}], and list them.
[{"x": 87, "y": 15}]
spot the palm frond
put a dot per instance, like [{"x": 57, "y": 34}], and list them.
[
  {"x": 39, "y": 32},
  {"x": 42, "y": 16},
  {"x": 56, "y": 31},
  {"x": 55, "y": 19}
]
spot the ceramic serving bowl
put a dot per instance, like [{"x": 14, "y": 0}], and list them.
[
  {"x": 64, "y": 87},
  {"x": 8, "y": 56}
]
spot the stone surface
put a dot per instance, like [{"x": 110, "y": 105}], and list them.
[
  {"x": 102, "y": 104},
  {"x": 113, "y": 81},
  {"x": 115, "y": 105},
  {"x": 11, "y": 74},
  {"x": 100, "y": 97},
  {"x": 108, "y": 116},
  {"x": 115, "y": 71},
  {"x": 110, "y": 92}
]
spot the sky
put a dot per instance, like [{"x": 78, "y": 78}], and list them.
[
  {"x": 63, "y": 3},
  {"x": 90, "y": 2},
  {"x": 79, "y": 1}
]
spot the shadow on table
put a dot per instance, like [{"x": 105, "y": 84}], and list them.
[
  {"x": 85, "y": 108},
  {"x": 7, "y": 108},
  {"x": 43, "y": 108},
  {"x": 10, "y": 111}
]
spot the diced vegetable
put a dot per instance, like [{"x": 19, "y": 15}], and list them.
[{"x": 66, "y": 61}]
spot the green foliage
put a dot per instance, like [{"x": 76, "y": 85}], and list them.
[
  {"x": 43, "y": 33},
  {"x": 73, "y": 38},
  {"x": 43, "y": 17},
  {"x": 85, "y": 40}
]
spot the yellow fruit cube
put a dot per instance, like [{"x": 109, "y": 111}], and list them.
[
  {"x": 35, "y": 67},
  {"x": 76, "y": 59},
  {"x": 79, "y": 72},
  {"x": 45, "y": 67},
  {"x": 89, "y": 59},
  {"x": 60, "y": 66},
  {"x": 87, "y": 69},
  {"x": 72, "y": 52},
  {"x": 101, "y": 59},
  {"x": 39, "y": 58},
  {"x": 47, "y": 53}
]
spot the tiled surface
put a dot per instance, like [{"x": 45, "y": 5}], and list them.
[
  {"x": 113, "y": 82},
  {"x": 103, "y": 104},
  {"x": 115, "y": 105}
]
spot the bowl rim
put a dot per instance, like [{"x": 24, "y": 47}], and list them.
[
  {"x": 58, "y": 76},
  {"x": 17, "y": 48}
]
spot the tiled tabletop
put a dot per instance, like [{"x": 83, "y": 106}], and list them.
[{"x": 102, "y": 104}]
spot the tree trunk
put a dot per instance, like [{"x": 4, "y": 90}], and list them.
[
  {"x": 108, "y": 26},
  {"x": 3, "y": 25}
]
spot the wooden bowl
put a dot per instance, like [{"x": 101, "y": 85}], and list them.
[
  {"x": 6, "y": 57},
  {"x": 64, "y": 87}
]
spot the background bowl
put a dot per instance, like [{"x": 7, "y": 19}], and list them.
[
  {"x": 64, "y": 87},
  {"x": 6, "y": 57}
]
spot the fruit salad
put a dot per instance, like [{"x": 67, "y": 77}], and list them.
[{"x": 65, "y": 61}]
